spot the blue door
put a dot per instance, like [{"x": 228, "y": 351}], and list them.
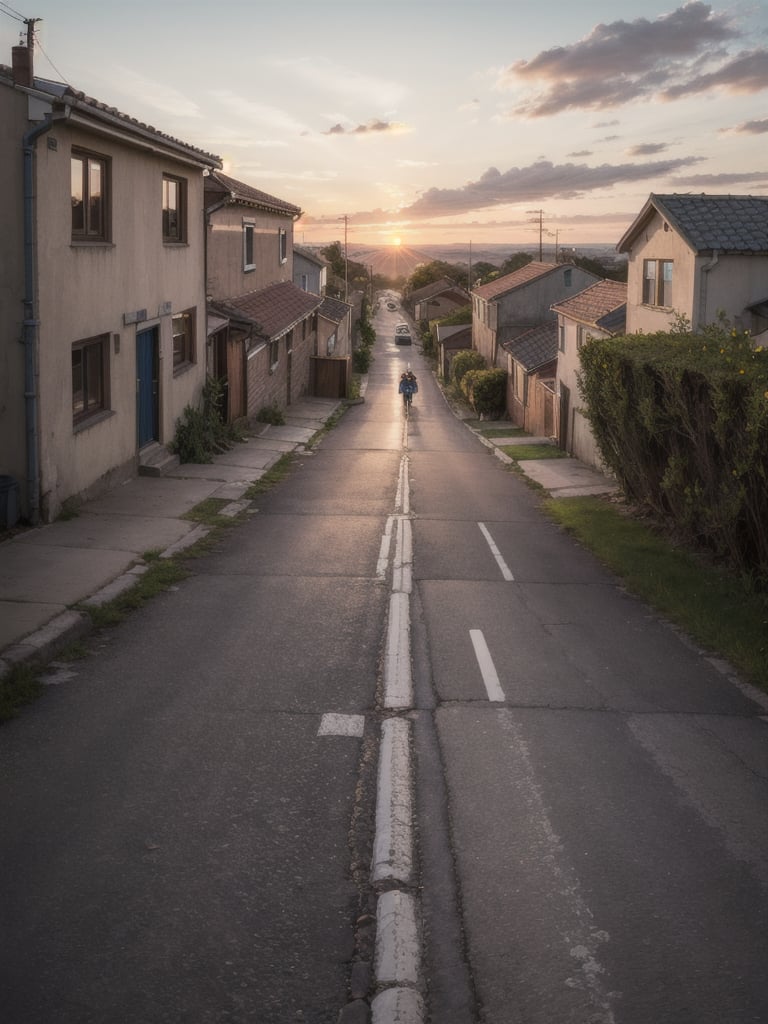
[{"x": 146, "y": 386}]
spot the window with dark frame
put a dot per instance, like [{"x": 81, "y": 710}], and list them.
[
  {"x": 174, "y": 209},
  {"x": 274, "y": 354},
  {"x": 657, "y": 282},
  {"x": 89, "y": 196},
  {"x": 183, "y": 327},
  {"x": 90, "y": 378},
  {"x": 283, "y": 245}
]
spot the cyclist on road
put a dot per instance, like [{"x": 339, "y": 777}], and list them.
[{"x": 408, "y": 388}]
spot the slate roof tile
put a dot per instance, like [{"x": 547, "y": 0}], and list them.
[
  {"x": 735, "y": 225},
  {"x": 535, "y": 348},
  {"x": 221, "y": 186}
]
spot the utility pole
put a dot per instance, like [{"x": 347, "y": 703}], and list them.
[
  {"x": 541, "y": 233},
  {"x": 469, "y": 276}
]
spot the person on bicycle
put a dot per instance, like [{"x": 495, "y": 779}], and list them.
[{"x": 408, "y": 387}]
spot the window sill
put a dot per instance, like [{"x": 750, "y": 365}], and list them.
[
  {"x": 91, "y": 421},
  {"x": 91, "y": 243},
  {"x": 170, "y": 243},
  {"x": 249, "y": 268}
]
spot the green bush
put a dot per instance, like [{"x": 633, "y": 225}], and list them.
[
  {"x": 270, "y": 414},
  {"x": 682, "y": 421},
  {"x": 201, "y": 433},
  {"x": 362, "y": 359},
  {"x": 463, "y": 361},
  {"x": 486, "y": 391}
]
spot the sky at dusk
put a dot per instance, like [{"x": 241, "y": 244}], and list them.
[{"x": 430, "y": 121}]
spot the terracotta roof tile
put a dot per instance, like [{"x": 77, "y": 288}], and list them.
[
  {"x": 275, "y": 310},
  {"x": 222, "y": 186},
  {"x": 602, "y": 305},
  {"x": 518, "y": 278}
]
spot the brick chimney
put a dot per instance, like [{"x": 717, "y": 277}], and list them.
[{"x": 22, "y": 65}]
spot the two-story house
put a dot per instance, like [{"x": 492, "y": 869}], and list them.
[
  {"x": 698, "y": 255},
  {"x": 436, "y": 300},
  {"x": 262, "y": 326},
  {"x": 600, "y": 311},
  {"x": 310, "y": 270},
  {"x": 102, "y": 295},
  {"x": 511, "y": 305}
]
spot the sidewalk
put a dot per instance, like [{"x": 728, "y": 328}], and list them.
[
  {"x": 95, "y": 556},
  {"x": 563, "y": 477}
]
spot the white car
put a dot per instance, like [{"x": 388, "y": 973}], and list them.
[{"x": 402, "y": 329}]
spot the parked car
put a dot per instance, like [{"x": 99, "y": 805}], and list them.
[
  {"x": 403, "y": 337},
  {"x": 402, "y": 329}
]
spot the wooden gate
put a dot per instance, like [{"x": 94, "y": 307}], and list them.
[{"x": 330, "y": 377}]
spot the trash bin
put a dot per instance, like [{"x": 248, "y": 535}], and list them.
[{"x": 9, "y": 502}]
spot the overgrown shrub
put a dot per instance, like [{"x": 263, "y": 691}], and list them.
[
  {"x": 463, "y": 361},
  {"x": 201, "y": 432},
  {"x": 270, "y": 414},
  {"x": 682, "y": 421},
  {"x": 486, "y": 391}
]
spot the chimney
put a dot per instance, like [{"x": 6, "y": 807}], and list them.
[{"x": 22, "y": 65}]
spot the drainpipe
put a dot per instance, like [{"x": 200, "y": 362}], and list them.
[
  {"x": 31, "y": 323},
  {"x": 705, "y": 270}
]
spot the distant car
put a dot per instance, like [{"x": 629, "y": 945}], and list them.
[
  {"x": 402, "y": 329},
  {"x": 403, "y": 337},
  {"x": 391, "y": 305}
]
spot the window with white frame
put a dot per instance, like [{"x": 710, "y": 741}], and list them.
[
  {"x": 183, "y": 326},
  {"x": 561, "y": 335},
  {"x": 249, "y": 258},
  {"x": 657, "y": 282},
  {"x": 282, "y": 242}
]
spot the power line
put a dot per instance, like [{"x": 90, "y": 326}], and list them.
[
  {"x": 11, "y": 13},
  {"x": 39, "y": 46}
]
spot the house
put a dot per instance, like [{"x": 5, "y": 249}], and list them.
[
  {"x": 436, "y": 300},
  {"x": 450, "y": 339},
  {"x": 331, "y": 365},
  {"x": 310, "y": 271},
  {"x": 511, "y": 305},
  {"x": 262, "y": 328},
  {"x": 531, "y": 366},
  {"x": 599, "y": 311},
  {"x": 697, "y": 255},
  {"x": 103, "y": 283}
]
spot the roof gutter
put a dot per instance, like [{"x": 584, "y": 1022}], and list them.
[
  {"x": 30, "y": 324},
  {"x": 706, "y": 269}
]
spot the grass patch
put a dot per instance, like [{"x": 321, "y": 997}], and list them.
[
  {"x": 711, "y": 605},
  {"x": 273, "y": 476},
  {"x": 161, "y": 574},
  {"x": 208, "y": 513},
  {"x": 523, "y": 452},
  {"x": 18, "y": 687},
  {"x": 501, "y": 432}
]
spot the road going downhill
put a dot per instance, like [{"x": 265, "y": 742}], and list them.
[{"x": 190, "y": 821}]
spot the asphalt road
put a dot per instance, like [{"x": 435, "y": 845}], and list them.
[{"x": 186, "y": 837}]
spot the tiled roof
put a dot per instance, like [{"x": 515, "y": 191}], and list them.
[
  {"x": 222, "y": 186},
  {"x": 275, "y": 310},
  {"x": 455, "y": 335},
  {"x": 518, "y": 278},
  {"x": 733, "y": 225},
  {"x": 65, "y": 95},
  {"x": 437, "y": 288},
  {"x": 334, "y": 309},
  {"x": 308, "y": 254},
  {"x": 602, "y": 305},
  {"x": 536, "y": 347}
]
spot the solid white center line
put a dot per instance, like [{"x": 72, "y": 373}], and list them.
[
  {"x": 487, "y": 668},
  {"x": 505, "y": 570}
]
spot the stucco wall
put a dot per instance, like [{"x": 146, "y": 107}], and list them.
[
  {"x": 88, "y": 290},
  {"x": 227, "y": 277}
]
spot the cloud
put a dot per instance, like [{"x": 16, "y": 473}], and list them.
[
  {"x": 373, "y": 127},
  {"x": 539, "y": 181},
  {"x": 723, "y": 180},
  {"x": 332, "y": 77},
  {"x": 647, "y": 149},
  {"x": 623, "y": 61},
  {"x": 580, "y": 152},
  {"x": 750, "y": 127}
]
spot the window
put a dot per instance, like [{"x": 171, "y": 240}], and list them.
[
  {"x": 657, "y": 282},
  {"x": 90, "y": 380},
  {"x": 568, "y": 276},
  {"x": 183, "y": 326},
  {"x": 274, "y": 354},
  {"x": 282, "y": 241},
  {"x": 561, "y": 335},
  {"x": 248, "y": 257},
  {"x": 330, "y": 345},
  {"x": 581, "y": 335},
  {"x": 174, "y": 209},
  {"x": 90, "y": 221}
]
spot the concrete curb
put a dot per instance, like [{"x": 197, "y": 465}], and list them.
[{"x": 393, "y": 845}]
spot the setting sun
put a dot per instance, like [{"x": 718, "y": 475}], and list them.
[{"x": 395, "y": 241}]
